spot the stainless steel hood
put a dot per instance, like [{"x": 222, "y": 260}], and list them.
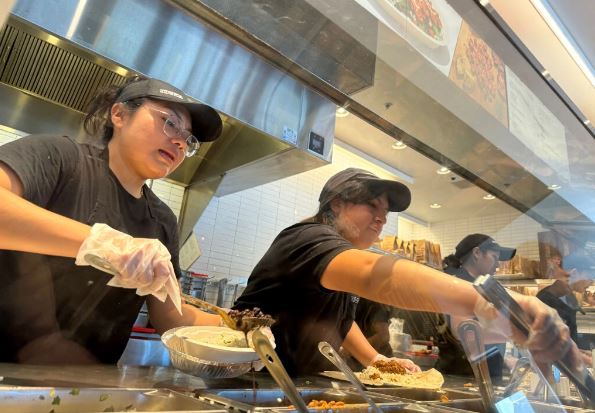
[{"x": 274, "y": 127}]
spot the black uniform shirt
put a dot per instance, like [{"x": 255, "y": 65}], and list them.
[
  {"x": 286, "y": 285},
  {"x": 566, "y": 310},
  {"x": 452, "y": 355},
  {"x": 42, "y": 295}
]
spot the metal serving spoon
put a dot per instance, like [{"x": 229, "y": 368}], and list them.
[
  {"x": 267, "y": 354},
  {"x": 243, "y": 324}
]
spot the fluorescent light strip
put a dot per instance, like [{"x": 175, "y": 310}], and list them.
[
  {"x": 78, "y": 12},
  {"x": 553, "y": 21}
]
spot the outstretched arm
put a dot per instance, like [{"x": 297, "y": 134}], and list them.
[
  {"x": 414, "y": 286},
  {"x": 25, "y": 226}
]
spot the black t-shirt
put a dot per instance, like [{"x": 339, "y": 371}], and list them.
[
  {"x": 452, "y": 355},
  {"x": 286, "y": 285},
  {"x": 41, "y": 294},
  {"x": 566, "y": 310},
  {"x": 367, "y": 314}
]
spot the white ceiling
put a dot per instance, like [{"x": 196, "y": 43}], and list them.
[{"x": 577, "y": 17}]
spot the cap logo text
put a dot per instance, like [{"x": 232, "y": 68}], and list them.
[{"x": 169, "y": 92}]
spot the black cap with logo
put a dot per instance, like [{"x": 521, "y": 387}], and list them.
[
  {"x": 206, "y": 122},
  {"x": 399, "y": 196},
  {"x": 484, "y": 242}
]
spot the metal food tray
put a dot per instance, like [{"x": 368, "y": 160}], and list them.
[
  {"x": 248, "y": 399},
  {"x": 94, "y": 400},
  {"x": 423, "y": 395},
  {"x": 197, "y": 367}
]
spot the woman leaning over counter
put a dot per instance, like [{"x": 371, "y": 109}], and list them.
[
  {"x": 60, "y": 199},
  {"x": 309, "y": 276}
]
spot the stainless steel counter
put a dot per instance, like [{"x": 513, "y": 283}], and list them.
[
  {"x": 131, "y": 377},
  {"x": 149, "y": 377}
]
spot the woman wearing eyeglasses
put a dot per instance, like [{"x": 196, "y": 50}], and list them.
[{"x": 65, "y": 206}]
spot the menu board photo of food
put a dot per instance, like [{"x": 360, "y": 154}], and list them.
[
  {"x": 423, "y": 15},
  {"x": 480, "y": 73}
]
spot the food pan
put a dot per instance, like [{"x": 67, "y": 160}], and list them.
[
  {"x": 92, "y": 400},
  {"x": 424, "y": 394},
  {"x": 275, "y": 398}
]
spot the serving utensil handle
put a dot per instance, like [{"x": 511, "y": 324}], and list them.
[
  {"x": 329, "y": 352},
  {"x": 269, "y": 357}
]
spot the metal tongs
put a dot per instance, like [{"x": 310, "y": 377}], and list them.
[
  {"x": 493, "y": 292},
  {"x": 329, "y": 352},
  {"x": 271, "y": 361},
  {"x": 472, "y": 340}
]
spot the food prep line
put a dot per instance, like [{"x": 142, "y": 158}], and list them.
[{"x": 87, "y": 389}]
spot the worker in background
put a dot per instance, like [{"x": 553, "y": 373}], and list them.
[{"x": 475, "y": 255}]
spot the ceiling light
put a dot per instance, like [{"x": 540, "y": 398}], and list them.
[
  {"x": 435, "y": 206},
  {"x": 342, "y": 112},
  {"x": 443, "y": 170},
  {"x": 561, "y": 32},
  {"x": 398, "y": 145},
  {"x": 489, "y": 197},
  {"x": 587, "y": 122},
  {"x": 554, "y": 187}
]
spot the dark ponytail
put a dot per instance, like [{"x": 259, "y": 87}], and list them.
[
  {"x": 97, "y": 122},
  {"x": 451, "y": 262}
]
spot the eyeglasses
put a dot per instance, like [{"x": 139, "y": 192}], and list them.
[{"x": 172, "y": 129}]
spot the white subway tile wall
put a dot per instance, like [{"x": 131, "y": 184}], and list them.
[
  {"x": 169, "y": 192},
  {"x": 511, "y": 230},
  {"x": 236, "y": 230}
]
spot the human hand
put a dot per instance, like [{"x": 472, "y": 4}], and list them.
[
  {"x": 549, "y": 338},
  {"x": 407, "y": 364},
  {"x": 141, "y": 263}
]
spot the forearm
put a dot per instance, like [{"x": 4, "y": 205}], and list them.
[
  {"x": 164, "y": 316},
  {"x": 401, "y": 283},
  {"x": 26, "y": 227},
  {"x": 357, "y": 345}
]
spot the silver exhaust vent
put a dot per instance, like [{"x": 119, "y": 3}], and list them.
[{"x": 39, "y": 64}]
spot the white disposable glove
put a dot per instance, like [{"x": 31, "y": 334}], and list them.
[
  {"x": 407, "y": 364},
  {"x": 140, "y": 263}
]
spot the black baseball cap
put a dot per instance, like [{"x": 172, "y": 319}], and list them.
[
  {"x": 484, "y": 242},
  {"x": 399, "y": 196},
  {"x": 206, "y": 122}
]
